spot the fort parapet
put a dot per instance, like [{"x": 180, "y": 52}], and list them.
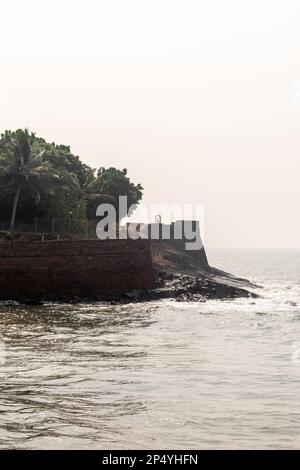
[{"x": 183, "y": 235}]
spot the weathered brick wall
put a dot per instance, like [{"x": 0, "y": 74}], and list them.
[{"x": 74, "y": 268}]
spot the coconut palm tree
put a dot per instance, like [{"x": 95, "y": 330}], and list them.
[
  {"x": 23, "y": 170},
  {"x": 91, "y": 188}
]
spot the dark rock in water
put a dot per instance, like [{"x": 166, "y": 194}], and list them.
[
  {"x": 31, "y": 302},
  {"x": 291, "y": 303},
  {"x": 189, "y": 288},
  {"x": 198, "y": 288}
]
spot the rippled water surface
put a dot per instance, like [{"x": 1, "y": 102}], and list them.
[{"x": 158, "y": 375}]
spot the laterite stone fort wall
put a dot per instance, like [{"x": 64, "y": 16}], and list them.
[{"x": 87, "y": 268}]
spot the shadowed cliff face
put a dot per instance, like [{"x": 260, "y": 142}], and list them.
[
  {"x": 187, "y": 276},
  {"x": 171, "y": 256}
]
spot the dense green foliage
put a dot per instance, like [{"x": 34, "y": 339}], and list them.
[
  {"x": 45, "y": 180},
  {"x": 115, "y": 183}
]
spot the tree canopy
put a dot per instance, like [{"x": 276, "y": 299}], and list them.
[
  {"x": 115, "y": 183},
  {"x": 45, "y": 180}
]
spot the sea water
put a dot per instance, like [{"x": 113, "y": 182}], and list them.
[{"x": 163, "y": 375}]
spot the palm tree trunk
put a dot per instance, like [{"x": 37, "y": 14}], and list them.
[
  {"x": 14, "y": 209},
  {"x": 77, "y": 210}
]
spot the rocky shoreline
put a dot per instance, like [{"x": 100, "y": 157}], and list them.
[
  {"x": 191, "y": 288},
  {"x": 179, "y": 287}
]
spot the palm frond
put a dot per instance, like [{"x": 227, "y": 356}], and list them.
[
  {"x": 36, "y": 159},
  {"x": 23, "y": 145},
  {"x": 94, "y": 184}
]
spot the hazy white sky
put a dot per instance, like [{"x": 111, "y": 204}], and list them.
[{"x": 200, "y": 100}]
